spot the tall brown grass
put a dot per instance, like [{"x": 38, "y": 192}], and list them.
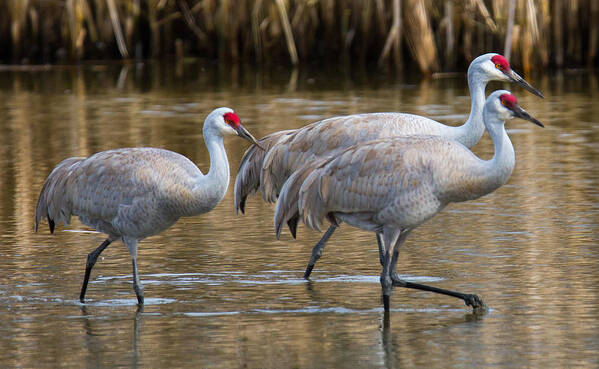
[{"x": 427, "y": 34}]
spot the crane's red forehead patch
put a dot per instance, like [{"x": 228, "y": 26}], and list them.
[
  {"x": 508, "y": 100},
  {"x": 502, "y": 61},
  {"x": 232, "y": 119}
]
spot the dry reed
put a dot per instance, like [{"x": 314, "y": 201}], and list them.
[{"x": 430, "y": 35}]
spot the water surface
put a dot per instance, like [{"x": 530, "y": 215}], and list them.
[{"x": 222, "y": 292}]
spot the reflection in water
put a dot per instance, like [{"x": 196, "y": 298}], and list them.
[
  {"x": 225, "y": 293},
  {"x": 403, "y": 347},
  {"x": 95, "y": 337},
  {"x": 388, "y": 342}
]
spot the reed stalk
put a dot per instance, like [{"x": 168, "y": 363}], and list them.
[
  {"x": 116, "y": 26},
  {"x": 393, "y": 40},
  {"x": 288, "y": 32},
  {"x": 419, "y": 35},
  {"x": 507, "y": 49},
  {"x": 431, "y": 35},
  {"x": 593, "y": 33}
]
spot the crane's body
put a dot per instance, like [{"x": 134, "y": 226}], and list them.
[
  {"x": 138, "y": 192},
  {"x": 401, "y": 181},
  {"x": 391, "y": 186},
  {"x": 330, "y": 137},
  {"x": 135, "y": 193}
]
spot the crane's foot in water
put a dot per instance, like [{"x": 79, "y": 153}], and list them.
[
  {"x": 477, "y": 304},
  {"x": 474, "y": 301}
]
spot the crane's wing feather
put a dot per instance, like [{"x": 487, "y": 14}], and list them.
[
  {"x": 51, "y": 203},
  {"x": 95, "y": 188},
  {"x": 331, "y": 136},
  {"x": 381, "y": 181}
]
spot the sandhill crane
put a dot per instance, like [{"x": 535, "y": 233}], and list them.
[
  {"x": 134, "y": 193},
  {"x": 328, "y": 137},
  {"x": 391, "y": 186}
]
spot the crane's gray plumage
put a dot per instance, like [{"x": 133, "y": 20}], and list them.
[
  {"x": 331, "y": 136},
  {"x": 53, "y": 202},
  {"x": 390, "y": 186},
  {"x": 134, "y": 193},
  {"x": 296, "y": 147},
  {"x": 247, "y": 181}
]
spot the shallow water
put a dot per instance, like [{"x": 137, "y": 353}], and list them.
[{"x": 222, "y": 292}]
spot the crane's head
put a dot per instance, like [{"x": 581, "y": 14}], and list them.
[
  {"x": 224, "y": 121},
  {"x": 495, "y": 67},
  {"x": 504, "y": 106}
]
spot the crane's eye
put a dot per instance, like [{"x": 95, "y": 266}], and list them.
[{"x": 498, "y": 66}]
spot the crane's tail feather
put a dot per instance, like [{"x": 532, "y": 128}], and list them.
[
  {"x": 53, "y": 203},
  {"x": 292, "y": 225},
  {"x": 288, "y": 206},
  {"x": 247, "y": 181},
  {"x": 51, "y": 224},
  {"x": 274, "y": 173},
  {"x": 310, "y": 204},
  {"x": 270, "y": 174}
]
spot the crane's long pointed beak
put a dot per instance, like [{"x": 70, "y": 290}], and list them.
[
  {"x": 243, "y": 133},
  {"x": 515, "y": 77},
  {"x": 521, "y": 113}
]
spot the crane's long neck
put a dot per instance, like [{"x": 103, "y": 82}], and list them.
[
  {"x": 468, "y": 180},
  {"x": 219, "y": 164},
  {"x": 470, "y": 132},
  {"x": 211, "y": 188},
  {"x": 495, "y": 172}
]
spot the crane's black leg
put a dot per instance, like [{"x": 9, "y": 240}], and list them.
[
  {"x": 469, "y": 299},
  {"x": 389, "y": 238},
  {"x": 137, "y": 286},
  {"x": 131, "y": 244},
  {"x": 386, "y": 284},
  {"x": 400, "y": 241},
  {"x": 317, "y": 250},
  {"x": 381, "y": 244},
  {"x": 92, "y": 257}
]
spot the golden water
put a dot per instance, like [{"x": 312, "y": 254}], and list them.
[{"x": 221, "y": 292}]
